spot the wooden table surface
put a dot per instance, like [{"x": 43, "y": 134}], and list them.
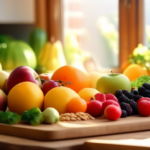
[{"x": 126, "y": 141}]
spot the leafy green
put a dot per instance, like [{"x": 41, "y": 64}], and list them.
[
  {"x": 9, "y": 117},
  {"x": 33, "y": 116},
  {"x": 139, "y": 81}
]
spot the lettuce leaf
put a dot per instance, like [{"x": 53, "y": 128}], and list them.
[{"x": 139, "y": 81}]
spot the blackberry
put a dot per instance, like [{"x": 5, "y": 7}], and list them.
[
  {"x": 127, "y": 107},
  {"x": 135, "y": 92},
  {"x": 118, "y": 93},
  {"x": 146, "y": 85},
  {"x": 123, "y": 99},
  {"x": 124, "y": 114},
  {"x": 134, "y": 106},
  {"x": 143, "y": 91},
  {"x": 136, "y": 97},
  {"x": 148, "y": 95},
  {"x": 127, "y": 94}
]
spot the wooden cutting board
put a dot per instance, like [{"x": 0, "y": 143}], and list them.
[{"x": 77, "y": 129}]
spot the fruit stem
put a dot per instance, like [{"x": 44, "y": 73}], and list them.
[{"x": 112, "y": 72}]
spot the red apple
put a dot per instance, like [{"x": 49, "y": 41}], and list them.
[
  {"x": 48, "y": 85},
  {"x": 22, "y": 74},
  {"x": 3, "y": 101}
]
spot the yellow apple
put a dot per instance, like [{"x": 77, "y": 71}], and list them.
[
  {"x": 94, "y": 76},
  {"x": 3, "y": 77}
]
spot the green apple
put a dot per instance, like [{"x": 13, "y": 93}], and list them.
[
  {"x": 110, "y": 83},
  {"x": 50, "y": 115}
]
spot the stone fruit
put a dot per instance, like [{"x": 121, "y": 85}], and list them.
[
  {"x": 22, "y": 74},
  {"x": 100, "y": 97},
  {"x": 112, "y": 112},
  {"x": 48, "y": 85},
  {"x": 107, "y": 103},
  {"x": 111, "y": 97},
  {"x": 94, "y": 108},
  {"x": 3, "y": 77},
  {"x": 50, "y": 115},
  {"x": 87, "y": 93},
  {"x": 24, "y": 96},
  {"x": 3, "y": 101},
  {"x": 78, "y": 79},
  {"x": 94, "y": 76},
  {"x": 112, "y": 82},
  {"x": 76, "y": 104},
  {"x": 58, "y": 98},
  {"x": 144, "y": 108}
]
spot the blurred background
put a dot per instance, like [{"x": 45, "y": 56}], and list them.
[{"x": 90, "y": 35}]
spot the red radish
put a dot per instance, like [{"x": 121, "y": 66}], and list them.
[
  {"x": 111, "y": 96},
  {"x": 112, "y": 112},
  {"x": 143, "y": 98},
  {"x": 94, "y": 108},
  {"x": 144, "y": 108},
  {"x": 100, "y": 97},
  {"x": 108, "y": 102}
]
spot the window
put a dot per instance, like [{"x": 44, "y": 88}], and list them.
[
  {"x": 74, "y": 16},
  {"x": 95, "y": 24},
  {"x": 147, "y": 23}
]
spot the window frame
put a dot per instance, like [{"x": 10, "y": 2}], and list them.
[{"x": 131, "y": 27}]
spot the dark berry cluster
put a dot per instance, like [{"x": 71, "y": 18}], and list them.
[
  {"x": 127, "y": 101},
  {"x": 144, "y": 90}
]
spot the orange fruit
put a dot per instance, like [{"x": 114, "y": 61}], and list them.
[
  {"x": 25, "y": 96},
  {"x": 134, "y": 71},
  {"x": 76, "y": 104},
  {"x": 78, "y": 79},
  {"x": 87, "y": 93},
  {"x": 58, "y": 98}
]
